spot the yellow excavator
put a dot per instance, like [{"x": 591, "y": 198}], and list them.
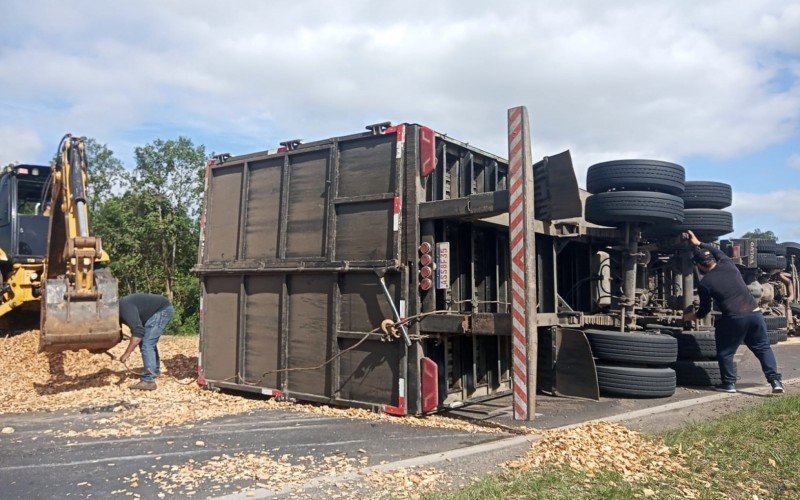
[{"x": 48, "y": 259}]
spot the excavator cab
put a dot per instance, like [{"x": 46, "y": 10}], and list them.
[
  {"x": 23, "y": 236},
  {"x": 80, "y": 302},
  {"x": 23, "y": 227}
]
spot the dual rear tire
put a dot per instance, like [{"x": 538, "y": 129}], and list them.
[
  {"x": 634, "y": 364},
  {"x": 635, "y": 191},
  {"x": 655, "y": 192}
]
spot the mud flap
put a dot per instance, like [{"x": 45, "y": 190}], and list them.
[
  {"x": 70, "y": 323},
  {"x": 572, "y": 368},
  {"x": 557, "y": 195}
]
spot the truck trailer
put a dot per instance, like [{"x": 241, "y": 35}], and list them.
[{"x": 405, "y": 271}]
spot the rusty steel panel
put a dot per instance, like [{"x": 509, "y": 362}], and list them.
[
  {"x": 220, "y": 328},
  {"x": 369, "y": 372},
  {"x": 222, "y": 224},
  {"x": 307, "y": 214},
  {"x": 363, "y": 304},
  {"x": 364, "y": 231},
  {"x": 308, "y": 326},
  {"x": 263, "y": 210},
  {"x": 366, "y": 166},
  {"x": 491, "y": 324},
  {"x": 262, "y": 330}
]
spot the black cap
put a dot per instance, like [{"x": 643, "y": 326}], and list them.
[{"x": 702, "y": 256}]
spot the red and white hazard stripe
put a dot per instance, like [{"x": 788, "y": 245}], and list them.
[
  {"x": 516, "y": 211},
  {"x": 396, "y": 214}
]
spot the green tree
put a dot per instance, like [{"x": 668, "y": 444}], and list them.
[
  {"x": 171, "y": 172},
  {"x": 148, "y": 220},
  {"x": 132, "y": 228},
  {"x": 106, "y": 173},
  {"x": 759, "y": 234}
]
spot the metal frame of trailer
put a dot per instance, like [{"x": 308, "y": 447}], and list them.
[{"x": 297, "y": 244}]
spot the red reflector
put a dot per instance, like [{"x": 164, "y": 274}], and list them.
[
  {"x": 425, "y": 248},
  {"x": 425, "y": 272},
  {"x": 429, "y": 384},
  {"x": 737, "y": 251},
  {"x": 427, "y": 151},
  {"x": 426, "y": 284},
  {"x": 22, "y": 170},
  {"x": 426, "y": 259},
  {"x": 399, "y": 130}
]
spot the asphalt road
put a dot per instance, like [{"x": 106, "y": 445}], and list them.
[
  {"x": 35, "y": 463},
  {"x": 555, "y": 412}
]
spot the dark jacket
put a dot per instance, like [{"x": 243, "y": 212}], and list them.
[
  {"x": 136, "y": 309},
  {"x": 725, "y": 285}
]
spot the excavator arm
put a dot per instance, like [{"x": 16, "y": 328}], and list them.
[{"x": 80, "y": 303}]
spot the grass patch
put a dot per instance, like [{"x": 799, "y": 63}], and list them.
[
  {"x": 755, "y": 451},
  {"x": 755, "y": 448},
  {"x": 549, "y": 483}
]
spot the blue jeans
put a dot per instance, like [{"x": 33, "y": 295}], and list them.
[
  {"x": 153, "y": 329},
  {"x": 751, "y": 329}
]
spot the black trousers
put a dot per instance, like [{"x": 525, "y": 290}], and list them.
[{"x": 751, "y": 329}]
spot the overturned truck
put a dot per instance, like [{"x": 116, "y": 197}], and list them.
[{"x": 377, "y": 270}]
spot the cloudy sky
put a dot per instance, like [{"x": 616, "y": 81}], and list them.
[{"x": 714, "y": 86}]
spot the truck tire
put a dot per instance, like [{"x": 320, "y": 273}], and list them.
[
  {"x": 781, "y": 261},
  {"x": 780, "y": 250},
  {"x": 697, "y": 373},
  {"x": 773, "y": 336},
  {"x": 707, "y": 222},
  {"x": 655, "y": 349},
  {"x": 707, "y": 194},
  {"x": 636, "y": 175},
  {"x": 782, "y": 335},
  {"x": 775, "y": 322},
  {"x": 636, "y": 381},
  {"x": 792, "y": 248},
  {"x": 696, "y": 346},
  {"x": 617, "y": 207},
  {"x": 767, "y": 261},
  {"x": 766, "y": 246}
]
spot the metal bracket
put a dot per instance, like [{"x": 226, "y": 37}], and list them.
[
  {"x": 221, "y": 158},
  {"x": 378, "y": 128},
  {"x": 291, "y": 144},
  {"x": 403, "y": 329}
]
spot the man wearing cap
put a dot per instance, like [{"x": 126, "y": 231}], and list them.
[{"x": 741, "y": 319}]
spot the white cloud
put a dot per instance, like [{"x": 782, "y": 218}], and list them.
[
  {"x": 778, "y": 211},
  {"x": 18, "y": 145},
  {"x": 629, "y": 78},
  {"x": 794, "y": 161}
]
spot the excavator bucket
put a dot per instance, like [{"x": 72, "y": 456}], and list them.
[{"x": 72, "y": 321}]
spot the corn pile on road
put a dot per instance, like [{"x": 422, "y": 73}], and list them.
[
  {"x": 75, "y": 427},
  {"x": 69, "y": 425}
]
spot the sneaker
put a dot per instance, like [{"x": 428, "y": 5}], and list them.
[
  {"x": 144, "y": 386},
  {"x": 777, "y": 387},
  {"x": 725, "y": 387}
]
